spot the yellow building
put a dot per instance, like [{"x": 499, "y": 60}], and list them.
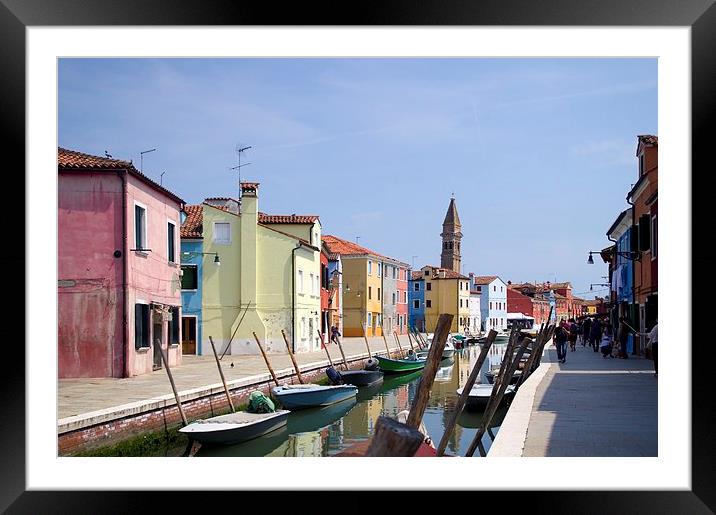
[
  {"x": 446, "y": 291},
  {"x": 268, "y": 279},
  {"x": 362, "y": 286}
]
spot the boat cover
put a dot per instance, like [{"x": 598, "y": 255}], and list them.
[{"x": 259, "y": 403}]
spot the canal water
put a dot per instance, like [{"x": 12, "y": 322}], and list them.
[{"x": 330, "y": 430}]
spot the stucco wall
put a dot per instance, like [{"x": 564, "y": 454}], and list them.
[
  {"x": 89, "y": 222},
  {"x": 191, "y": 301}
]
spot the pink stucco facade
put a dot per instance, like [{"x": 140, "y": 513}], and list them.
[
  {"x": 94, "y": 258},
  {"x": 401, "y": 307}
]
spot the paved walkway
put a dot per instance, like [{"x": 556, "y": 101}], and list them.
[
  {"x": 587, "y": 407},
  {"x": 80, "y": 396}
]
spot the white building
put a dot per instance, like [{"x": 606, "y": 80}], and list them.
[
  {"x": 475, "y": 321},
  {"x": 493, "y": 301}
]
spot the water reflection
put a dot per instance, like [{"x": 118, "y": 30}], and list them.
[{"x": 330, "y": 430}]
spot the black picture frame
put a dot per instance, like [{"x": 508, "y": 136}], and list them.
[{"x": 16, "y": 15}]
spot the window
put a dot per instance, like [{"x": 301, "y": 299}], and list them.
[
  {"x": 377, "y": 319},
  {"x": 490, "y": 305},
  {"x": 429, "y": 286},
  {"x": 460, "y": 305},
  {"x": 428, "y": 304},
  {"x": 502, "y": 288},
  {"x": 460, "y": 286},
  {"x": 427, "y": 272},
  {"x": 416, "y": 304},
  {"x": 141, "y": 326},
  {"x": 378, "y": 293},
  {"x": 405, "y": 297},
  {"x": 315, "y": 238},
  {"x": 654, "y": 231},
  {"x": 494, "y": 288},
  {"x": 479, "y": 289},
  {"x": 171, "y": 239},
  {"x": 396, "y": 273},
  {"x": 370, "y": 292},
  {"x": 174, "y": 326},
  {"x": 416, "y": 286},
  {"x": 370, "y": 319},
  {"x": 370, "y": 267},
  {"x": 222, "y": 233},
  {"x": 313, "y": 284},
  {"x": 140, "y": 227},
  {"x": 189, "y": 278},
  {"x": 300, "y": 281},
  {"x": 324, "y": 276},
  {"x": 393, "y": 299},
  {"x": 303, "y": 328},
  {"x": 641, "y": 164},
  {"x": 380, "y": 269}
]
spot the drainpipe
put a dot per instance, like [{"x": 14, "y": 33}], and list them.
[
  {"x": 125, "y": 264},
  {"x": 633, "y": 265},
  {"x": 293, "y": 296}
]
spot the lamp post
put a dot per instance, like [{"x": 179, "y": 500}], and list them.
[
  {"x": 217, "y": 262},
  {"x": 631, "y": 255}
]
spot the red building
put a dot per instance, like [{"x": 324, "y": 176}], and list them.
[
  {"x": 118, "y": 269},
  {"x": 539, "y": 304},
  {"x": 517, "y": 302}
]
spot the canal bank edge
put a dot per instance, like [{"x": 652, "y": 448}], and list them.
[
  {"x": 510, "y": 440},
  {"x": 101, "y": 428}
]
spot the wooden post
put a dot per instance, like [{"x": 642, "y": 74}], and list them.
[
  {"x": 340, "y": 348},
  {"x": 495, "y": 399},
  {"x": 410, "y": 340},
  {"x": 385, "y": 340},
  {"x": 420, "y": 402},
  {"x": 293, "y": 359},
  {"x": 537, "y": 350},
  {"x": 268, "y": 365},
  {"x": 325, "y": 347},
  {"x": 171, "y": 380},
  {"x": 462, "y": 400},
  {"x": 419, "y": 338},
  {"x": 393, "y": 439},
  {"x": 365, "y": 337},
  {"x": 397, "y": 339},
  {"x": 221, "y": 373}
]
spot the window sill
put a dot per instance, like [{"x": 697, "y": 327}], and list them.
[
  {"x": 140, "y": 253},
  {"x": 172, "y": 264},
  {"x": 173, "y": 345},
  {"x": 142, "y": 350}
]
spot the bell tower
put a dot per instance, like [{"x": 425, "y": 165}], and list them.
[{"x": 451, "y": 236}]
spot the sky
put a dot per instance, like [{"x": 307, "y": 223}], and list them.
[{"x": 539, "y": 153}]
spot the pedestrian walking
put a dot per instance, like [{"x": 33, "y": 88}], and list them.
[
  {"x": 586, "y": 327},
  {"x": 595, "y": 334},
  {"x": 653, "y": 344},
  {"x": 335, "y": 334},
  {"x": 560, "y": 341},
  {"x": 573, "y": 333}
]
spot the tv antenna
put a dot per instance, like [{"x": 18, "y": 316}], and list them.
[{"x": 240, "y": 148}]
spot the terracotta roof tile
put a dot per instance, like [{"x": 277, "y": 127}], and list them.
[
  {"x": 347, "y": 248},
  {"x": 648, "y": 139},
  {"x": 287, "y": 219},
  {"x": 74, "y": 160},
  {"x": 484, "y": 279},
  {"x": 561, "y": 285},
  {"x": 192, "y": 226},
  {"x": 250, "y": 186},
  {"x": 416, "y": 276}
]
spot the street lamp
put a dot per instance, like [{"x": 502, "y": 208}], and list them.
[
  {"x": 631, "y": 255},
  {"x": 215, "y": 254},
  {"x": 591, "y": 286}
]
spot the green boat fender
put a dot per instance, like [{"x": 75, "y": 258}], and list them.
[{"x": 259, "y": 403}]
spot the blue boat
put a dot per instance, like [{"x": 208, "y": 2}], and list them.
[{"x": 300, "y": 396}]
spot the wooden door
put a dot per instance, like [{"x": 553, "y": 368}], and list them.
[{"x": 189, "y": 336}]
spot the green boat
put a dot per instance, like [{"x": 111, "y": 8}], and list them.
[{"x": 400, "y": 366}]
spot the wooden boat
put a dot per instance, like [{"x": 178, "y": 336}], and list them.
[
  {"x": 301, "y": 396},
  {"x": 361, "y": 377},
  {"x": 448, "y": 351},
  {"x": 480, "y": 395},
  {"x": 400, "y": 366},
  {"x": 490, "y": 375},
  {"x": 235, "y": 427}
]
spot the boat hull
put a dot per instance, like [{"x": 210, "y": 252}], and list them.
[
  {"x": 362, "y": 377},
  {"x": 221, "y": 430},
  {"x": 480, "y": 396},
  {"x": 295, "y": 398},
  {"x": 399, "y": 366}
]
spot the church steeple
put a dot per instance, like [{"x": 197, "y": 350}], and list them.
[{"x": 451, "y": 235}]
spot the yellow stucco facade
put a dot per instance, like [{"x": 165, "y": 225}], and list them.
[
  {"x": 446, "y": 295},
  {"x": 362, "y": 296}
]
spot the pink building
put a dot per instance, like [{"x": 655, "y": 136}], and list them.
[
  {"x": 119, "y": 288},
  {"x": 401, "y": 307}
]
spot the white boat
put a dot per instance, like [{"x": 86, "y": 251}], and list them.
[
  {"x": 235, "y": 427},
  {"x": 448, "y": 350},
  {"x": 480, "y": 395}
]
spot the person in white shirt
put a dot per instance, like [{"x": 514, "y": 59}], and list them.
[{"x": 653, "y": 336}]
